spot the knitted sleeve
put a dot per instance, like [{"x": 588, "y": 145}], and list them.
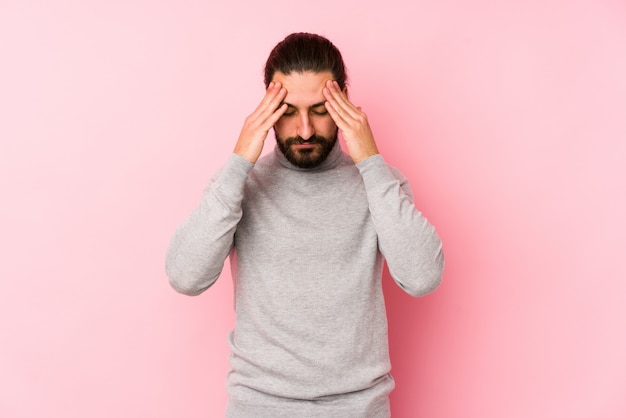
[
  {"x": 200, "y": 245},
  {"x": 406, "y": 239}
]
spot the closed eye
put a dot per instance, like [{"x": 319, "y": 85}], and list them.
[
  {"x": 291, "y": 110},
  {"x": 319, "y": 110}
]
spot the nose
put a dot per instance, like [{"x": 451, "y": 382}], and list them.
[{"x": 305, "y": 127}]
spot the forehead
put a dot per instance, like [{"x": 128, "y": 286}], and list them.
[{"x": 303, "y": 89}]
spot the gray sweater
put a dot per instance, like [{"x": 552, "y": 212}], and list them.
[{"x": 307, "y": 249}]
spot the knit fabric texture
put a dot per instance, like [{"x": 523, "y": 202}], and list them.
[{"x": 307, "y": 248}]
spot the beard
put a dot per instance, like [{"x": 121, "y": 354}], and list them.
[{"x": 306, "y": 157}]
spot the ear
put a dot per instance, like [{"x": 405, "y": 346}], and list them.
[{"x": 345, "y": 90}]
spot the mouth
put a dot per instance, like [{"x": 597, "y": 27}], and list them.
[{"x": 304, "y": 146}]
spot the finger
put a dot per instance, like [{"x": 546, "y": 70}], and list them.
[
  {"x": 271, "y": 102},
  {"x": 332, "y": 107},
  {"x": 345, "y": 106},
  {"x": 275, "y": 102},
  {"x": 340, "y": 101},
  {"x": 273, "y": 90},
  {"x": 344, "y": 118},
  {"x": 273, "y": 118},
  {"x": 341, "y": 123},
  {"x": 273, "y": 97}
]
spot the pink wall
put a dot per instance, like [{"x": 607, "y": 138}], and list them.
[{"x": 509, "y": 118}]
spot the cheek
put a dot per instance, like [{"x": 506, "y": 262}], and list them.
[
  {"x": 325, "y": 126},
  {"x": 281, "y": 128}
]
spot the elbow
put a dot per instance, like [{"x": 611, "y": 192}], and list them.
[
  {"x": 426, "y": 279},
  {"x": 431, "y": 278},
  {"x": 426, "y": 284},
  {"x": 185, "y": 288},
  {"x": 186, "y": 282}
]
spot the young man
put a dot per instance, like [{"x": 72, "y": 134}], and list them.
[{"x": 307, "y": 229}]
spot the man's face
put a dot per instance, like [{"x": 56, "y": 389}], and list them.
[{"x": 305, "y": 133}]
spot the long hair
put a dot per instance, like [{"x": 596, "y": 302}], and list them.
[{"x": 302, "y": 52}]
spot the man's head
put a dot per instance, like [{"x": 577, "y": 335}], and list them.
[
  {"x": 305, "y": 52},
  {"x": 302, "y": 63}
]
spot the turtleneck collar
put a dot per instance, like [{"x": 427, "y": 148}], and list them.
[{"x": 332, "y": 161}]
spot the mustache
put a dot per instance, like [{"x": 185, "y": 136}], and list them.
[{"x": 298, "y": 140}]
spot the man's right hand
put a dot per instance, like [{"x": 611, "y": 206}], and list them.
[{"x": 257, "y": 125}]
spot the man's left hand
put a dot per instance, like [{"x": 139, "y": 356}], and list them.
[{"x": 351, "y": 121}]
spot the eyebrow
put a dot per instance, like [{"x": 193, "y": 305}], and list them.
[{"x": 310, "y": 107}]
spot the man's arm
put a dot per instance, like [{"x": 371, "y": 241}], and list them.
[
  {"x": 406, "y": 239},
  {"x": 198, "y": 249},
  {"x": 197, "y": 252}
]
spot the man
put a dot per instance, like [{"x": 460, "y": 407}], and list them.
[{"x": 307, "y": 229}]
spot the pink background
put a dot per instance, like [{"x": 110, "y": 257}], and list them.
[{"x": 508, "y": 118}]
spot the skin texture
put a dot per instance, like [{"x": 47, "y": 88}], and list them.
[
  {"x": 306, "y": 132},
  {"x": 257, "y": 125},
  {"x": 352, "y": 122},
  {"x": 305, "y": 105}
]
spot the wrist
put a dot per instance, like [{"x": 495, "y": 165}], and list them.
[{"x": 251, "y": 155}]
